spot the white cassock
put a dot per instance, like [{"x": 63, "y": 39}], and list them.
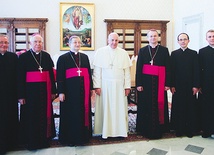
[{"x": 111, "y": 74}]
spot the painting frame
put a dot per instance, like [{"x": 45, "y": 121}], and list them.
[{"x": 77, "y": 19}]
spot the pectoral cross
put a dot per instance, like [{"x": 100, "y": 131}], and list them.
[
  {"x": 151, "y": 62},
  {"x": 79, "y": 71},
  {"x": 40, "y": 68}
]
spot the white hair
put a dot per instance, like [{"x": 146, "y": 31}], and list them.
[{"x": 35, "y": 35}]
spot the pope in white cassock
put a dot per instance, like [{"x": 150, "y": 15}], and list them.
[{"x": 112, "y": 83}]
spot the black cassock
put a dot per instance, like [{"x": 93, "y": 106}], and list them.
[
  {"x": 184, "y": 76},
  {"x": 148, "y": 123},
  {"x": 206, "y": 63},
  {"x": 8, "y": 101},
  {"x": 36, "y": 119},
  {"x": 75, "y": 122}
]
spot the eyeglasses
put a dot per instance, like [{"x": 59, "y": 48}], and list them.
[
  {"x": 183, "y": 39},
  {"x": 3, "y": 42}
]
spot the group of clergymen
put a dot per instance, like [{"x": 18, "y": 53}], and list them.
[{"x": 31, "y": 79}]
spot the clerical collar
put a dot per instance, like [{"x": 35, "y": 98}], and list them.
[
  {"x": 74, "y": 52},
  {"x": 211, "y": 46},
  {"x": 35, "y": 52},
  {"x": 153, "y": 46},
  {"x": 183, "y": 49}
]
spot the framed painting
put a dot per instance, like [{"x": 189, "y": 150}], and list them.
[{"x": 77, "y": 19}]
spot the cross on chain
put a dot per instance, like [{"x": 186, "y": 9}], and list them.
[
  {"x": 40, "y": 68},
  {"x": 79, "y": 71}
]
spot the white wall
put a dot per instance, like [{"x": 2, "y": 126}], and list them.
[
  {"x": 104, "y": 9},
  {"x": 189, "y": 9}
]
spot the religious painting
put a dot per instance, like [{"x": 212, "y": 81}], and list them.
[{"x": 77, "y": 19}]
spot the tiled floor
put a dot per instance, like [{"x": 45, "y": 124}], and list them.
[{"x": 171, "y": 146}]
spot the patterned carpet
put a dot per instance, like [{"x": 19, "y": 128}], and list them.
[
  {"x": 131, "y": 137},
  {"x": 97, "y": 140}
]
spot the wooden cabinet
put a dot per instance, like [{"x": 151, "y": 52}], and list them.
[
  {"x": 133, "y": 32},
  {"x": 19, "y": 31}
]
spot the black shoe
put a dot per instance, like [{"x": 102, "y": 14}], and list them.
[
  {"x": 189, "y": 135},
  {"x": 119, "y": 138},
  {"x": 3, "y": 152},
  {"x": 178, "y": 134},
  {"x": 206, "y": 135},
  {"x": 32, "y": 149}
]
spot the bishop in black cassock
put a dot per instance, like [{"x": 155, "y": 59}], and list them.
[
  {"x": 36, "y": 89},
  {"x": 152, "y": 78},
  {"x": 74, "y": 83}
]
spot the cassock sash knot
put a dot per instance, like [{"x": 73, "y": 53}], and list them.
[
  {"x": 37, "y": 76},
  {"x": 160, "y": 72},
  {"x": 73, "y": 72}
]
